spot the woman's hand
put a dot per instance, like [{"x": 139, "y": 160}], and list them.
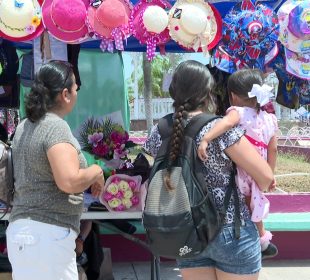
[
  {"x": 202, "y": 150},
  {"x": 273, "y": 185},
  {"x": 97, "y": 187}
]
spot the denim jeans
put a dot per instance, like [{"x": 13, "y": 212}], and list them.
[{"x": 231, "y": 255}]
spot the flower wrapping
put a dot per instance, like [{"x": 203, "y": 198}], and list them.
[{"x": 123, "y": 193}]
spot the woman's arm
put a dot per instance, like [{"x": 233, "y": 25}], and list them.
[
  {"x": 246, "y": 157},
  {"x": 272, "y": 152},
  {"x": 229, "y": 121},
  {"x": 64, "y": 161}
]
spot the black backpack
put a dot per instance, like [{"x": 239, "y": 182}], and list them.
[
  {"x": 181, "y": 223},
  {"x": 6, "y": 177}
]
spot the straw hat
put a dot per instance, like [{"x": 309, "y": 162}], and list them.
[
  {"x": 20, "y": 20},
  {"x": 109, "y": 20},
  {"x": 66, "y": 20},
  {"x": 195, "y": 24}
]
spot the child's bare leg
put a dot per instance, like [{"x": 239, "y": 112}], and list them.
[{"x": 265, "y": 236}]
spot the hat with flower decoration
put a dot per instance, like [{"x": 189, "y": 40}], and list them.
[
  {"x": 20, "y": 20},
  {"x": 195, "y": 24},
  {"x": 109, "y": 20},
  {"x": 66, "y": 20},
  {"x": 250, "y": 32},
  {"x": 149, "y": 24},
  {"x": 294, "y": 20}
]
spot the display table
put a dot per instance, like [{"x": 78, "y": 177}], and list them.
[{"x": 102, "y": 218}]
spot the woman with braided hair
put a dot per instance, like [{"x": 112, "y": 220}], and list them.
[{"x": 226, "y": 257}]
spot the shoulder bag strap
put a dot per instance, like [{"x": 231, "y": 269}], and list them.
[{"x": 165, "y": 126}]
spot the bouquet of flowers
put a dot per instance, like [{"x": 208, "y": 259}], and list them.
[
  {"x": 105, "y": 140},
  {"x": 123, "y": 193}
]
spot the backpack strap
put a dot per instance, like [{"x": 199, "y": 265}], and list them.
[
  {"x": 165, "y": 126},
  {"x": 197, "y": 123},
  {"x": 232, "y": 188}
]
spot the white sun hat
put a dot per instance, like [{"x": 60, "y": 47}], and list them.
[{"x": 195, "y": 24}]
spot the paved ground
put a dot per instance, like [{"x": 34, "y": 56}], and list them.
[{"x": 272, "y": 270}]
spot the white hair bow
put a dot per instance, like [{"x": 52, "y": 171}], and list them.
[{"x": 262, "y": 93}]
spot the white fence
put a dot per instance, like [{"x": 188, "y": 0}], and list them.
[
  {"x": 296, "y": 136},
  {"x": 161, "y": 107}
]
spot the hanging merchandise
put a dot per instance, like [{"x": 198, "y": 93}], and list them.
[
  {"x": 47, "y": 48},
  {"x": 294, "y": 19},
  {"x": 292, "y": 91},
  {"x": 250, "y": 34},
  {"x": 27, "y": 70},
  {"x": 195, "y": 25},
  {"x": 109, "y": 21},
  {"x": 9, "y": 118},
  {"x": 20, "y": 20},
  {"x": 66, "y": 20},
  {"x": 73, "y": 57},
  {"x": 149, "y": 22},
  {"x": 9, "y": 84},
  {"x": 224, "y": 62}
]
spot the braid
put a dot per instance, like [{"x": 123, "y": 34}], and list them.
[{"x": 176, "y": 141}]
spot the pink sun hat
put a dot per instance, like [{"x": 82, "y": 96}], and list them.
[
  {"x": 149, "y": 24},
  {"x": 66, "y": 20},
  {"x": 20, "y": 20},
  {"x": 109, "y": 20}
]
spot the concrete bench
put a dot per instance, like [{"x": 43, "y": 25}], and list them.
[
  {"x": 288, "y": 222},
  {"x": 274, "y": 222}
]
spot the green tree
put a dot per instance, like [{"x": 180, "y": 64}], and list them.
[{"x": 159, "y": 67}]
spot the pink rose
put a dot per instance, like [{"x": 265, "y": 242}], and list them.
[
  {"x": 135, "y": 200},
  {"x": 120, "y": 208},
  {"x": 119, "y": 195},
  {"x": 132, "y": 185},
  {"x": 107, "y": 196},
  {"x": 116, "y": 180}
]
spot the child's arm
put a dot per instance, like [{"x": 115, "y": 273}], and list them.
[
  {"x": 229, "y": 121},
  {"x": 272, "y": 157}
]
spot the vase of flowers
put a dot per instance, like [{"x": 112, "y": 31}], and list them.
[
  {"x": 123, "y": 193},
  {"x": 105, "y": 140}
]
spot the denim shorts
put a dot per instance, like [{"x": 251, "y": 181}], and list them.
[{"x": 231, "y": 255}]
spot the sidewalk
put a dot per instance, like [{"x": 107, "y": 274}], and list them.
[{"x": 272, "y": 270}]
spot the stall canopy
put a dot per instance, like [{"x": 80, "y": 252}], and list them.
[{"x": 133, "y": 45}]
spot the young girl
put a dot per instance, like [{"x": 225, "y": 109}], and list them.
[{"x": 247, "y": 93}]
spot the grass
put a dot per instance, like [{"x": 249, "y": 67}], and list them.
[
  {"x": 289, "y": 163},
  {"x": 286, "y": 164}
]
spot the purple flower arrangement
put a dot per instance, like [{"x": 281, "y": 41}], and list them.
[{"x": 105, "y": 140}]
